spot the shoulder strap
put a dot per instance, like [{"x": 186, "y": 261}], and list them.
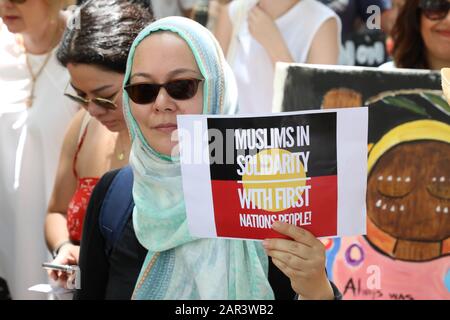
[
  {"x": 117, "y": 207},
  {"x": 86, "y": 118},
  {"x": 82, "y": 134}
]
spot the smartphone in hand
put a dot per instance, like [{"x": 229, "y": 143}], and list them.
[
  {"x": 72, "y": 271},
  {"x": 61, "y": 267}
]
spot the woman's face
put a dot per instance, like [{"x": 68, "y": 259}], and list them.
[
  {"x": 160, "y": 58},
  {"x": 88, "y": 82},
  {"x": 436, "y": 37},
  {"x": 25, "y": 17}
]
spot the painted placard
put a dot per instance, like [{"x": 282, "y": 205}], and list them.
[{"x": 406, "y": 251}]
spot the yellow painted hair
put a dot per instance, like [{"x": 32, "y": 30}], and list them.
[{"x": 411, "y": 131}]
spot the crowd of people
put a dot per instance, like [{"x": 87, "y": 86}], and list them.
[{"x": 90, "y": 87}]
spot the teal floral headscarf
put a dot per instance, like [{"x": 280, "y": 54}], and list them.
[{"x": 179, "y": 266}]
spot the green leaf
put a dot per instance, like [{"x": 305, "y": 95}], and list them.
[
  {"x": 438, "y": 101},
  {"x": 406, "y": 103}
]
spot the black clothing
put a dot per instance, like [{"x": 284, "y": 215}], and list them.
[
  {"x": 103, "y": 276},
  {"x": 114, "y": 276}
]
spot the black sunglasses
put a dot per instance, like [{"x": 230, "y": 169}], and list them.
[
  {"x": 145, "y": 93},
  {"x": 434, "y": 9}
]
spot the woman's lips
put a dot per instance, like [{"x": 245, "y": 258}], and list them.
[
  {"x": 7, "y": 19},
  {"x": 166, "y": 127},
  {"x": 444, "y": 33}
]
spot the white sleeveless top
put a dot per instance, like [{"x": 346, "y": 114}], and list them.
[
  {"x": 252, "y": 65},
  {"x": 30, "y": 144}
]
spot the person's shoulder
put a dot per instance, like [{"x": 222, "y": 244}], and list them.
[
  {"x": 319, "y": 13},
  {"x": 318, "y": 8},
  {"x": 78, "y": 117},
  {"x": 72, "y": 133}
]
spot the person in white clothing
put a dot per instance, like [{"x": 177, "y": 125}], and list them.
[
  {"x": 257, "y": 34},
  {"x": 33, "y": 118}
]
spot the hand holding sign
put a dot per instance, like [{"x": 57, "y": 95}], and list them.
[{"x": 302, "y": 259}]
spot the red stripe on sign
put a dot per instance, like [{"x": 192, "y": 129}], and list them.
[{"x": 243, "y": 215}]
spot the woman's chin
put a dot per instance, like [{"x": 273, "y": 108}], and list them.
[
  {"x": 15, "y": 27},
  {"x": 114, "y": 126},
  {"x": 169, "y": 149}
]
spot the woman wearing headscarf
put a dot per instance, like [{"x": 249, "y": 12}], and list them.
[{"x": 176, "y": 67}]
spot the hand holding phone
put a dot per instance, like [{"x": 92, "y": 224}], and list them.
[
  {"x": 60, "y": 267},
  {"x": 69, "y": 276}
]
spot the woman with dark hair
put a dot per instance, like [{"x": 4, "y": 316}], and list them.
[
  {"x": 95, "y": 53},
  {"x": 421, "y": 35}
]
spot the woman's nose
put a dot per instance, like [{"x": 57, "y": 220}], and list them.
[
  {"x": 95, "y": 110},
  {"x": 7, "y": 4},
  {"x": 164, "y": 102}
]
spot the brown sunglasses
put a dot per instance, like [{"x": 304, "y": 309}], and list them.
[{"x": 101, "y": 102}]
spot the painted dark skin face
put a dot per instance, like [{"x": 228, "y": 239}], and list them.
[{"x": 409, "y": 192}]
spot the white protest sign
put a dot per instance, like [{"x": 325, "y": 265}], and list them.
[{"x": 308, "y": 168}]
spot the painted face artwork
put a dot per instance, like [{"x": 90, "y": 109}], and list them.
[
  {"x": 405, "y": 253},
  {"x": 409, "y": 198},
  {"x": 408, "y": 194}
]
